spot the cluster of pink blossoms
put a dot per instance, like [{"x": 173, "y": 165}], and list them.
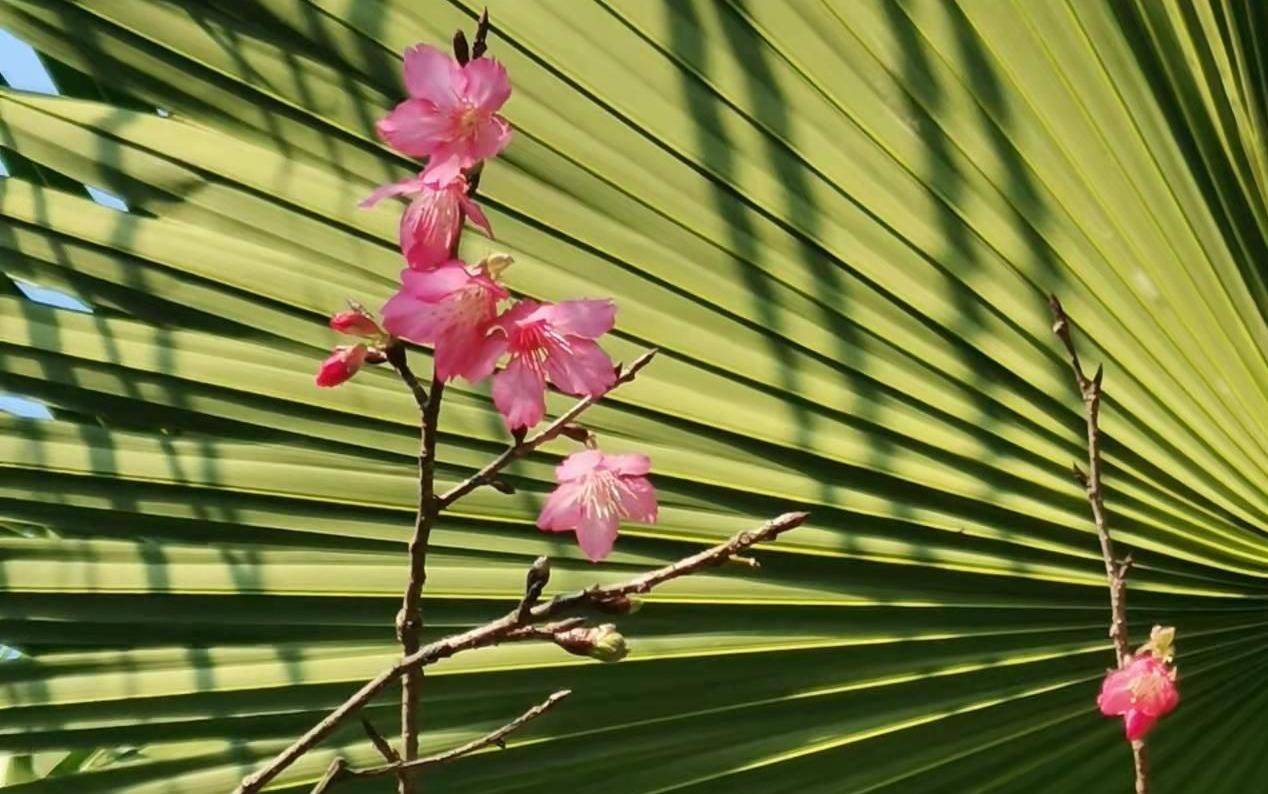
[
  {"x": 1143, "y": 689},
  {"x": 464, "y": 313}
]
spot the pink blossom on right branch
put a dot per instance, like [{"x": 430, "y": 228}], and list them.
[
  {"x": 552, "y": 341},
  {"x": 451, "y": 115},
  {"x": 595, "y": 492},
  {"x": 1144, "y": 689}
]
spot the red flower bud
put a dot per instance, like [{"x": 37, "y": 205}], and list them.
[
  {"x": 342, "y": 364},
  {"x": 355, "y": 322}
]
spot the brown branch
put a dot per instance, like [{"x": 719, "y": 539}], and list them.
[
  {"x": 488, "y": 474},
  {"x": 497, "y": 737},
  {"x": 503, "y": 630},
  {"x": 409, "y": 621},
  {"x": 1115, "y": 569},
  {"x": 395, "y": 354}
]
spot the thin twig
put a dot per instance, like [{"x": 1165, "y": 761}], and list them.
[
  {"x": 1115, "y": 569},
  {"x": 489, "y": 473},
  {"x": 386, "y": 750},
  {"x": 333, "y": 774},
  {"x": 503, "y": 630},
  {"x": 492, "y": 738}
]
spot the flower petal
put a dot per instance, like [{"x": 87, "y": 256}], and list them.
[
  {"x": 435, "y": 284},
  {"x": 491, "y": 136},
  {"x": 1137, "y": 723},
  {"x": 447, "y": 161},
  {"x": 429, "y": 229},
  {"x": 562, "y": 510},
  {"x": 519, "y": 392},
  {"x": 468, "y": 352},
  {"x": 631, "y": 465},
  {"x": 578, "y": 465},
  {"x": 476, "y": 215},
  {"x": 582, "y": 369},
  {"x": 433, "y": 74},
  {"x": 421, "y": 310},
  {"x": 1116, "y": 693},
  {"x": 638, "y": 500},
  {"x": 411, "y": 184},
  {"x": 596, "y": 535},
  {"x": 485, "y": 84},
  {"x": 588, "y": 318},
  {"x": 414, "y": 127}
]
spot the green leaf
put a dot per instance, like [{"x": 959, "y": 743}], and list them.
[{"x": 839, "y": 221}]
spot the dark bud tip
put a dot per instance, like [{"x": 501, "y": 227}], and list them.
[
  {"x": 518, "y": 434},
  {"x": 539, "y": 571},
  {"x": 502, "y": 486},
  {"x": 461, "y": 52},
  {"x": 577, "y": 433},
  {"x": 481, "y": 34}
]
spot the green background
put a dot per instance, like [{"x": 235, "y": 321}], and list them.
[{"x": 838, "y": 221}]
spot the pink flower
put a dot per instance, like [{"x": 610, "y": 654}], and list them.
[
  {"x": 1141, "y": 692},
  {"x": 595, "y": 492},
  {"x": 451, "y": 308},
  {"x": 431, "y": 224},
  {"x": 451, "y": 115},
  {"x": 550, "y": 340},
  {"x": 342, "y": 364},
  {"x": 355, "y": 322}
]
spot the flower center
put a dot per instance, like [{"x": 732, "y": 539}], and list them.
[
  {"x": 535, "y": 341},
  {"x": 466, "y": 121},
  {"x": 601, "y": 495},
  {"x": 1146, "y": 687}
]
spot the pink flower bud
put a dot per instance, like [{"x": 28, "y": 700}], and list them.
[
  {"x": 342, "y": 364},
  {"x": 355, "y": 322}
]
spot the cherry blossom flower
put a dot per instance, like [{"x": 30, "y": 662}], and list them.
[
  {"x": 451, "y": 115},
  {"x": 1141, "y": 691},
  {"x": 549, "y": 340},
  {"x": 595, "y": 492},
  {"x": 341, "y": 365},
  {"x": 453, "y": 309},
  {"x": 431, "y": 224}
]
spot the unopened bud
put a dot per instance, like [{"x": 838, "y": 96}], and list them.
[
  {"x": 1162, "y": 641},
  {"x": 610, "y": 645},
  {"x": 495, "y": 264},
  {"x": 461, "y": 52},
  {"x": 501, "y": 486},
  {"x": 577, "y": 433},
  {"x": 341, "y": 365},
  {"x": 620, "y": 605},
  {"x": 604, "y": 642},
  {"x": 355, "y": 322}
]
